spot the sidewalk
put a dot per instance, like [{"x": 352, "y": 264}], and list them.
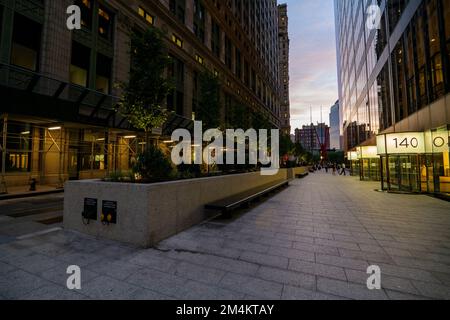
[
  {"x": 24, "y": 192},
  {"x": 314, "y": 240}
]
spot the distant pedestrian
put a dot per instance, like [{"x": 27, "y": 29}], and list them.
[
  {"x": 334, "y": 169},
  {"x": 343, "y": 172}
]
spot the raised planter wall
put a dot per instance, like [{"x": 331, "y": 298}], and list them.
[{"x": 150, "y": 213}]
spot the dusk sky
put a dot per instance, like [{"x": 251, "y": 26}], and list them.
[{"x": 312, "y": 59}]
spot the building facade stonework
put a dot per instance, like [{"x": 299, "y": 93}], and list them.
[{"x": 59, "y": 120}]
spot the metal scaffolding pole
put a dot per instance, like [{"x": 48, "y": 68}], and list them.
[{"x": 4, "y": 188}]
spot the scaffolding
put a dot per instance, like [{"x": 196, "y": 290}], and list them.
[{"x": 51, "y": 155}]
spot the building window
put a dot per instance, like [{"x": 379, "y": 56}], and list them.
[
  {"x": 177, "y": 41},
  {"x": 147, "y": 16},
  {"x": 175, "y": 100},
  {"x": 79, "y": 67},
  {"x": 178, "y": 8},
  {"x": 18, "y": 147},
  {"x": 437, "y": 77},
  {"x": 86, "y": 12},
  {"x": 105, "y": 23},
  {"x": 26, "y": 43},
  {"x": 199, "y": 59},
  {"x": 228, "y": 52},
  {"x": 199, "y": 20},
  {"x": 215, "y": 38},
  {"x": 103, "y": 78}
]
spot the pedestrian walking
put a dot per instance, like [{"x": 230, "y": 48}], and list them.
[
  {"x": 343, "y": 172},
  {"x": 334, "y": 169}
]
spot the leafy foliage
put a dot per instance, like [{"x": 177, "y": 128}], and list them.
[
  {"x": 147, "y": 88},
  {"x": 153, "y": 165},
  {"x": 209, "y": 103}
]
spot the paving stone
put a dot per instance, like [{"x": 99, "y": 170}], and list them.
[
  {"x": 78, "y": 258},
  {"x": 292, "y": 253},
  {"x": 368, "y": 256},
  {"x": 107, "y": 288},
  {"x": 199, "y": 273},
  {"x": 54, "y": 292},
  {"x": 153, "y": 259},
  {"x": 342, "y": 262},
  {"x": 252, "y": 286},
  {"x": 349, "y": 290},
  {"x": 160, "y": 282},
  {"x": 5, "y": 268},
  {"x": 265, "y": 260},
  {"x": 407, "y": 273},
  {"x": 337, "y": 244},
  {"x": 231, "y": 265},
  {"x": 19, "y": 283},
  {"x": 33, "y": 263},
  {"x": 433, "y": 290},
  {"x": 292, "y": 278},
  {"x": 117, "y": 269},
  {"x": 194, "y": 290},
  {"x": 58, "y": 275},
  {"x": 387, "y": 282},
  {"x": 316, "y": 248},
  {"x": 317, "y": 269},
  {"x": 395, "y": 295},
  {"x": 295, "y": 293}
]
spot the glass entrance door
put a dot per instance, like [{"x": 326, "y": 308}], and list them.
[{"x": 401, "y": 173}]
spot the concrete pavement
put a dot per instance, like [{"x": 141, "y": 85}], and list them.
[{"x": 314, "y": 240}]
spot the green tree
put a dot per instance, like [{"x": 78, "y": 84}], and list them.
[
  {"x": 144, "y": 94},
  {"x": 208, "y": 110},
  {"x": 286, "y": 145},
  {"x": 238, "y": 117}
]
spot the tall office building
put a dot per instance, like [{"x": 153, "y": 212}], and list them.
[
  {"x": 335, "y": 127},
  {"x": 394, "y": 83},
  {"x": 284, "y": 68},
  {"x": 58, "y": 89},
  {"x": 314, "y": 137}
]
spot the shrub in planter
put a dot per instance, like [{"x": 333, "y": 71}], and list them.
[{"x": 153, "y": 166}]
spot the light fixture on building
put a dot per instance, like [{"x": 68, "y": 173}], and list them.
[
  {"x": 129, "y": 137},
  {"x": 54, "y": 128},
  {"x": 25, "y": 133}
]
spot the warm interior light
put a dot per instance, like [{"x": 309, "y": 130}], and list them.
[
  {"x": 54, "y": 128},
  {"x": 129, "y": 137},
  {"x": 25, "y": 133}
]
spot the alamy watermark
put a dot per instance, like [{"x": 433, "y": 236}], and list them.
[
  {"x": 74, "y": 280},
  {"x": 236, "y": 146},
  {"x": 74, "y": 20},
  {"x": 374, "y": 280}
]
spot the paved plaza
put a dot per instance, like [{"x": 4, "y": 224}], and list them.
[{"x": 314, "y": 240}]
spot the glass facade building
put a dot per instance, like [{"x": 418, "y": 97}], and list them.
[{"x": 393, "y": 71}]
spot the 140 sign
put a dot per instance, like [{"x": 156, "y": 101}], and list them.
[{"x": 406, "y": 143}]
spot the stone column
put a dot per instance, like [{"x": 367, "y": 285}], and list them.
[
  {"x": 57, "y": 41},
  {"x": 188, "y": 91}
]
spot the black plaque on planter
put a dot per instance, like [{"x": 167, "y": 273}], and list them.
[
  {"x": 109, "y": 210},
  {"x": 90, "y": 209}
]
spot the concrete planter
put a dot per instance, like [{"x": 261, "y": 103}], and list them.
[{"x": 150, "y": 213}]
